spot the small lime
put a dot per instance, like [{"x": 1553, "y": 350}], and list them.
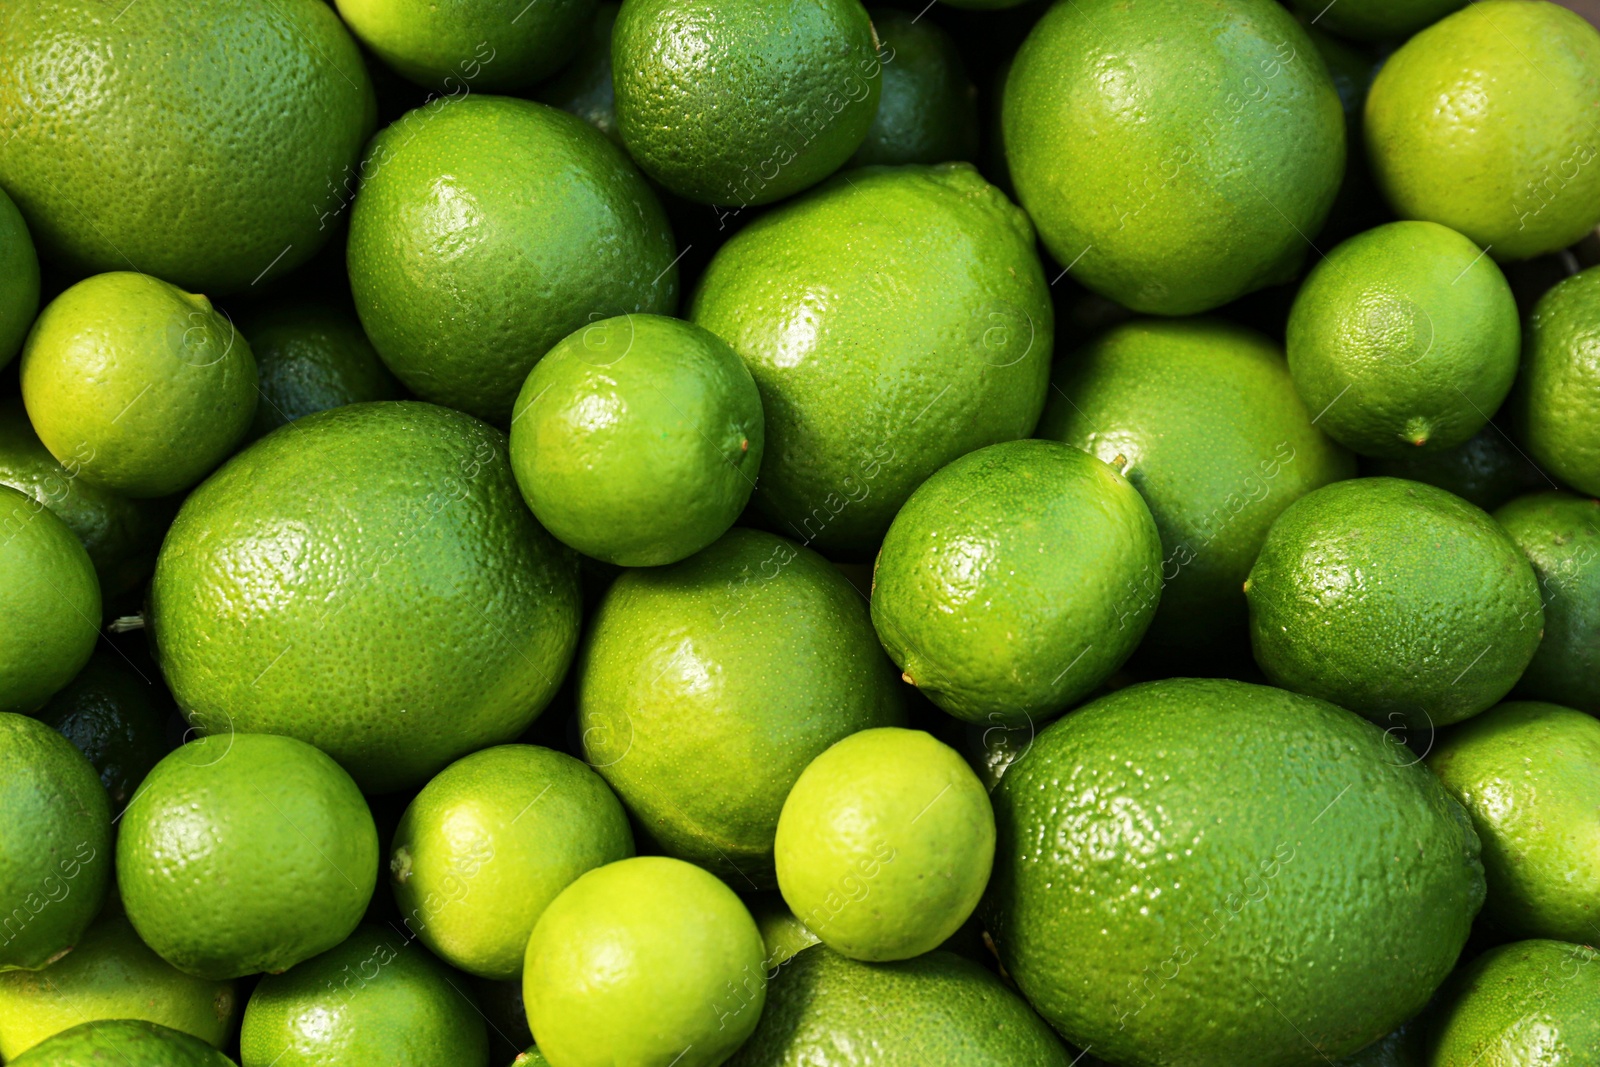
[
  {"x": 311, "y": 356},
  {"x": 1556, "y": 406},
  {"x": 117, "y": 718},
  {"x": 928, "y": 107},
  {"x": 49, "y": 603},
  {"x": 1560, "y": 535}
]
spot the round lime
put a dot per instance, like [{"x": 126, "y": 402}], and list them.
[
  {"x": 1560, "y": 535},
  {"x": 117, "y": 717},
  {"x": 1521, "y": 1003},
  {"x": 19, "y": 264},
  {"x": 49, "y": 603},
  {"x": 311, "y": 356},
  {"x": 583, "y": 88},
  {"x": 1557, "y": 403},
  {"x": 928, "y": 107},
  {"x": 124, "y": 1042}
]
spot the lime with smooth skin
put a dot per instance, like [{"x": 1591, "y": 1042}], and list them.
[
  {"x": 1556, "y": 406},
  {"x": 49, "y": 603}
]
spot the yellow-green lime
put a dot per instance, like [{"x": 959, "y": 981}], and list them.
[
  {"x": 49, "y": 603},
  {"x": 1526, "y": 1003},
  {"x": 782, "y": 932},
  {"x": 1560, "y": 535},
  {"x": 927, "y": 107},
  {"x": 125, "y": 1043},
  {"x": 117, "y": 717},
  {"x": 19, "y": 265},
  {"x": 136, "y": 385},
  {"x": 1375, "y": 20},
  {"x": 1556, "y": 407},
  {"x": 490, "y": 841},
  {"x": 1488, "y": 470},
  {"x": 583, "y": 87},
  {"x": 311, "y": 356},
  {"x": 244, "y": 853}
]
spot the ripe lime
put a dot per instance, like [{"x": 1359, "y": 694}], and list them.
[
  {"x": 1557, "y": 403},
  {"x": 311, "y": 357},
  {"x": 19, "y": 264},
  {"x": 117, "y": 718},
  {"x": 928, "y": 107},
  {"x": 583, "y": 88},
  {"x": 1519, "y": 1004},
  {"x": 49, "y": 603},
  {"x": 1560, "y": 535},
  {"x": 124, "y": 1042}
]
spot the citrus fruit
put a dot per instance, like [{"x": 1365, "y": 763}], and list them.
[
  {"x": 49, "y": 602},
  {"x": 136, "y": 385},
  {"x": 880, "y": 360},
  {"x": 19, "y": 264},
  {"x": 1404, "y": 338},
  {"x": 1203, "y": 419},
  {"x": 649, "y": 960},
  {"x": 243, "y": 853},
  {"x": 1375, "y": 20},
  {"x": 486, "y": 230},
  {"x": 531, "y": 1058},
  {"x": 1560, "y": 535},
  {"x": 370, "y": 582},
  {"x": 1559, "y": 391},
  {"x": 1520, "y": 1004},
  {"x": 884, "y": 844},
  {"x": 1016, "y": 579},
  {"x": 55, "y": 847},
  {"x": 784, "y": 935},
  {"x": 1395, "y": 600},
  {"x": 637, "y": 440},
  {"x": 377, "y": 998},
  {"x": 1529, "y": 775},
  {"x": 111, "y": 974},
  {"x": 1358, "y": 206},
  {"x": 125, "y": 1043},
  {"x": 1210, "y": 872},
  {"x": 311, "y": 356},
  {"x": 117, "y": 718},
  {"x": 938, "y": 1008},
  {"x": 927, "y": 107},
  {"x": 1488, "y": 470},
  {"x": 743, "y": 101},
  {"x": 707, "y": 686},
  {"x": 1484, "y": 122},
  {"x": 482, "y": 46},
  {"x": 206, "y": 143},
  {"x": 583, "y": 87},
  {"x": 501, "y": 1004},
  {"x": 1174, "y": 154},
  {"x": 1406, "y": 1046},
  {"x": 490, "y": 841}
]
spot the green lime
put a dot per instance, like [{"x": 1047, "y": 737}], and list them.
[
  {"x": 375, "y": 999},
  {"x": 245, "y": 852},
  {"x": 707, "y": 686},
  {"x": 55, "y": 845},
  {"x": 310, "y": 357},
  {"x": 531, "y": 1058},
  {"x": 1488, "y": 470},
  {"x": 1529, "y": 775},
  {"x": 117, "y": 718},
  {"x": 1404, "y": 338},
  {"x": 19, "y": 264},
  {"x": 1375, "y": 20},
  {"x": 1015, "y": 580},
  {"x": 1216, "y": 873},
  {"x": 297, "y": 580},
  {"x": 1531, "y": 1002},
  {"x": 49, "y": 603},
  {"x": 137, "y": 386},
  {"x": 1484, "y": 122},
  {"x": 646, "y": 961},
  {"x": 1203, "y": 419},
  {"x": 784, "y": 935},
  {"x": 207, "y": 142},
  {"x": 484, "y": 46},
  {"x": 885, "y": 844},
  {"x": 1560, "y": 535},
  {"x": 880, "y": 359},
  {"x": 1558, "y": 395},
  {"x": 488, "y": 229},
  {"x": 583, "y": 88},
  {"x": 927, "y": 107},
  {"x": 743, "y": 101},
  {"x": 490, "y": 841},
  {"x": 1352, "y": 67},
  {"x": 1175, "y": 154},
  {"x": 1395, "y": 600},
  {"x": 823, "y": 1008},
  {"x": 122, "y": 1043},
  {"x": 637, "y": 440},
  {"x": 111, "y": 974}
]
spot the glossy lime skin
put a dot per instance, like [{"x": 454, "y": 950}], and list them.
[
  {"x": 490, "y": 841},
  {"x": 55, "y": 846},
  {"x": 928, "y": 107},
  {"x": 643, "y": 961},
  {"x": 1375, "y": 20},
  {"x": 49, "y": 603},
  {"x": 879, "y": 359},
  {"x": 311, "y": 357},
  {"x": 885, "y": 844},
  {"x": 1203, "y": 419},
  {"x": 206, "y": 142},
  {"x": 111, "y": 974},
  {"x": 1016, "y": 579},
  {"x": 370, "y": 537},
  {"x": 1174, "y": 154},
  {"x": 486, "y": 230},
  {"x": 138, "y": 386},
  {"x": 637, "y": 440},
  {"x": 1395, "y": 600},
  {"x": 1558, "y": 394},
  {"x": 244, "y": 853},
  {"x": 1484, "y": 122},
  {"x": 1529, "y": 775},
  {"x": 19, "y": 265},
  {"x": 743, "y": 101},
  {"x": 125, "y": 1042},
  {"x": 1560, "y": 535},
  {"x": 478, "y": 46},
  {"x": 1487, "y": 471},
  {"x": 116, "y": 718},
  {"x": 583, "y": 88},
  {"x": 377, "y": 998},
  {"x": 825, "y": 1008},
  {"x": 1158, "y": 843},
  {"x": 1523, "y": 1004},
  {"x": 706, "y": 687}
]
